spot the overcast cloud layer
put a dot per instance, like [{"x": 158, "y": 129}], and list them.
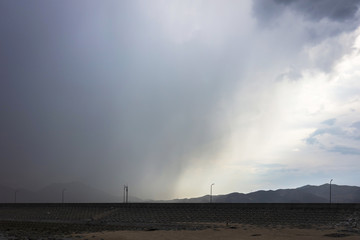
[{"x": 171, "y": 96}]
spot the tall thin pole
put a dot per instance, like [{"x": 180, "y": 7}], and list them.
[
  {"x": 126, "y": 193},
  {"x": 211, "y": 192},
  {"x": 330, "y": 190},
  {"x": 63, "y": 195}
]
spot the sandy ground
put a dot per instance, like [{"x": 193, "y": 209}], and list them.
[{"x": 238, "y": 232}]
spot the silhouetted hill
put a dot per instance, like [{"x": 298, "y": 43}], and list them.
[
  {"x": 82, "y": 193},
  {"x": 340, "y": 193},
  {"x": 74, "y": 192},
  {"x": 305, "y": 194}
]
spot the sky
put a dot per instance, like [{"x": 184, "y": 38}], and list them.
[{"x": 169, "y": 97}]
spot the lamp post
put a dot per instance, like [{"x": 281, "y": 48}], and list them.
[
  {"x": 63, "y": 195},
  {"x": 211, "y": 192},
  {"x": 330, "y": 190},
  {"x": 126, "y": 193}
]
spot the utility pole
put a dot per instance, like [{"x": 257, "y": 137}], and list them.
[
  {"x": 63, "y": 195},
  {"x": 126, "y": 194},
  {"x": 211, "y": 192},
  {"x": 330, "y": 190}
]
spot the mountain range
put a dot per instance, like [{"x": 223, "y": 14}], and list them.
[
  {"x": 73, "y": 192},
  {"x": 305, "y": 194},
  {"x": 77, "y": 192}
]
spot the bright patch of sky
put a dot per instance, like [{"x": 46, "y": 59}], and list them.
[{"x": 299, "y": 127}]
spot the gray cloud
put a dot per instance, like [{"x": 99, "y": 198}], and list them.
[
  {"x": 356, "y": 134},
  {"x": 340, "y": 16},
  {"x": 275, "y": 168},
  {"x": 318, "y": 24},
  {"x": 329, "y": 122},
  {"x": 319, "y": 9},
  {"x": 321, "y": 131},
  {"x": 356, "y": 125},
  {"x": 339, "y": 132},
  {"x": 312, "y": 10},
  {"x": 291, "y": 75},
  {"x": 333, "y": 131},
  {"x": 345, "y": 150}
]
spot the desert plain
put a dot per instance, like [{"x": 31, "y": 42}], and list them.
[{"x": 245, "y": 232}]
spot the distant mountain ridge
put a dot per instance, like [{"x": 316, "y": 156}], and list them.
[
  {"x": 75, "y": 192},
  {"x": 305, "y": 194}
]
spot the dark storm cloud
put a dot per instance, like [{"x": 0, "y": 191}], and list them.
[
  {"x": 92, "y": 92},
  {"x": 318, "y": 9},
  {"x": 58, "y": 98},
  {"x": 131, "y": 92},
  {"x": 318, "y": 21},
  {"x": 342, "y": 15},
  {"x": 313, "y": 9}
]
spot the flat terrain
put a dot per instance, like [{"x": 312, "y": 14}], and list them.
[
  {"x": 214, "y": 231},
  {"x": 245, "y": 232},
  {"x": 251, "y": 233},
  {"x": 179, "y": 221}
]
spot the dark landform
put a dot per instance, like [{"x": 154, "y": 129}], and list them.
[
  {"x": 77, "y": 192},
  {"x": 305, "y": 194},
  {"x": 43, "y": 216}
]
